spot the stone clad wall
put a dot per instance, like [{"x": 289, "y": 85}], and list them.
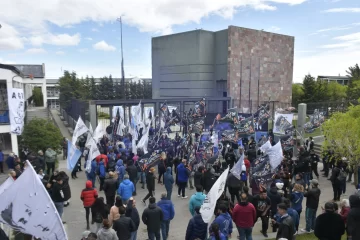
[{"x": 261, "y": 62}]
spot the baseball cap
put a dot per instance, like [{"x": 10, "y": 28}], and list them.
[{"x": 314, "y": 181}]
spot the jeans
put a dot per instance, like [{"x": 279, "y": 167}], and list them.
[
  {"x": 191, "y": 181},
  {"x": 307, "y": 176},
  {"x": 181, "y": 188},
  {"x": 310, "y": 216},
  {"x": 59, "y": 207},
  {"x": 153, "y": 235},
  {"x": 91, "y": 178},
  {"x": 245, "y": 233},
  {"x": 133, "y": 235},
  {"x": 143, "y": 179},
  {"x": 165, "y": 225},
  {"x": 168, "y": 194},
  {"x": 64, "y": 153}
]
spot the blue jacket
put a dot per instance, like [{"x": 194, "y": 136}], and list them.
[
  {"x": 196, "y": 199},
  {"x": 222, "y": 237},
  {"x": 225, "y": 223},
  {"x": 102, "y": 170},
  {"x": 182, "y": 173},
  {"x": 168, "y": 179},
  {"x": 296, "y": 200},
  {"x": 167, "y": 208},
  {"x": 126, "y": 189},
  {"x": 1, "y": 156},
  {"x": 293, "y": 214},
  {"x": 10, "y": 161},
  {"x": 120, "y": 169},
  {"x": 196, "y": 228},
  {"x": 93, "y": 169}
]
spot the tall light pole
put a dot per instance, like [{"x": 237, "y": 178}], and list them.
[{"x": 122, "y": 61}]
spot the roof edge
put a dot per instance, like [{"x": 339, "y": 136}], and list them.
[{"x": 11, "y": 68}]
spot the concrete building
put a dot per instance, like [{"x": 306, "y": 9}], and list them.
[
  {"x": 343, "y": 80},
  {"x": 250, "y": 66}
]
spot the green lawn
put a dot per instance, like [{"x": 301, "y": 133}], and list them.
[{"x": 310, "y": 237}]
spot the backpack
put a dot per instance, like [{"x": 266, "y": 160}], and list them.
[
  {"x": 243, "y": 176},
  {"x": 342, "y": 176},
  {"x": 98, "y": 217}
]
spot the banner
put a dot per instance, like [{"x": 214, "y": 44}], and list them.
[
  {"x": 148, "y": 115},
  {"x": 16, "y": 110},
  {"x": 237, "y": 168},
  {"x": 98, "y": 133},
  {"x": 143, "y": 143},
  {"x": 79, "y": 130},
  {"x": 8, "y": 182},
  {"x": 89, "y": 136},
  {"x": 121, "y": 112},
  {"x": 27, "y": 207},
  {"x": 136, "y": 114},
  {"x": 207, "y": 208},
  {"x": 265, "y": 146},
  {"x": 73, "y": 155},
  {"x": 283, "y": 123},
  {"x": 275, "y": 155},
  {"x": 93, "y": 150}
]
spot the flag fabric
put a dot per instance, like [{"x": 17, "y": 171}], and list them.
[
  {"x": 73, "y": 156},
  {"x": 207, "y": 208},
  {"x": 89, "y": 136},
  {"x": 120, "y": 127},
  {"x": 275, "y": 155},
  {"x": 266, "y": 146},
  {"x": 27, "y": 207},
  {"x": 116, "y": 122},
  {"x": 237, "y": 168},
  {"x": 93, "y": 150},
  {"x": 5, "y": 185},
  {"x": 98, "y": 133},
  {"x": 143, "y": 143},
  {"x": 79, "y": 130}
]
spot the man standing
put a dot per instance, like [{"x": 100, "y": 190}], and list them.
[
  {"x": 57, "y": 195},
  {"x": 126, "y": 189},
  {"x": 123, "y": 226},
  {"x": 152, "y": 218},
  {"x": 329, "y": 225},
  {"x": 182, "y": 178},
  {"x": 244, "y": 216},
  {"x": 168, "y": 210},
  {"x": 285, "y": 224},
  {"x": 150, "y": 184},
  {"x": 197, "y": 228},
  {"x": 132, "y": 172},
  {"x": 168, "y": 182},
  {"x": 110, "y": 187},
  {"x": 196, "y": 200},
  {"x": 336, "y": 181},
  {"x": 224, "y": 221},
  {"x": 50, "y": 158},
  {"x": 262, "y": 204},
  {"x": 312, "y": 204}
]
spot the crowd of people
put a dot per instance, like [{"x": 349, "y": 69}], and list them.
[{"x": 278, "y": 205}]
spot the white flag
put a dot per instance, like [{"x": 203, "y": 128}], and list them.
[
  {"x": 266, "y": 146},
  {"x": 5, "y": 185},
  {"x": 237, "y": 168},
  {"x": 27, "y": 207},
  {"x": 275, "y": 155},
  {"x": 16, "y": 104},
  {"x": 207, "y": 208},
  {"x": 79, "y": 130},
  {"x": 93, "y": 150},
  {"x": 143, "y": 143},
  {"x": 99, "y": 133},
  {"x": 89, "y": 136}
]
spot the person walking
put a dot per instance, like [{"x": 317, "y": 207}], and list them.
[
  {"x": 182, "y": 179},
  {"x": 102, "y": 173},
  {"x": 199, "y": 177},
  {"x": 66, "y": 188},
  {"x": 114, "y": 210},
  {"x": 196, "y": 200},
  {"x": 329, "y": 225},
  {"x": 10, "y": 161},
  {"x": 197, "y": 228},
  {"x": 244, "y": 216},
  {"x": 162, "y": 167},
  {"x": 152, "y": 218},
  {"x": 168, "y": 210},
  {"x": 64, "y": 147},
  {"x": 314, "y": 164},
  {"x": 275, "y": 198},
  {"x": 123, "y": 226},
  {"x": 168, "y": 182},
  {"x": 110, "y": 187},
  {"x": 41, "y": 160},
  {"x": 262, "y": 204},
  {"x": 132, "y": 172},
  {"x": 150, "y": 184},
  {"x": 126, "y": 189},
  {"x": 133, "y": 213},
  {"x": 50, "y": 158},
  {"x": 312, "y": 204},
  {"x": 88, "y": 196},
  {"x": 234, "y": 184},
  {"x": 285, "y": 224},
  {"x": 120, "y": 170},
  {"x": 91, "y": 174},
  {"x": 57, "y": 195},
  {"x": 336, "y": 181},
  {"x": 106, "y": 232},
  {"x": 99, "y": 213}
]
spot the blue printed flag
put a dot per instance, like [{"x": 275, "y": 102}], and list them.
[{"x": 73, "y": 156}]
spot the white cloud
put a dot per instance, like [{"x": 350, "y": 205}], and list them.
[
  {"x": 35, "y": 51},
  {"x": 336, "y": 28},
  {"x": 82, "y": 50},
  {"x": 58, "y": 40},
  {"x": 10, "y": 38},
  {"x": 148, "y": 16},
  {"x": 337, "y": 45},
  {"x": 3, "y": 61},
  {"x": 103, "y": 46},
  {"x": 94, "y": 30},
  {"x": 89, "y": 38},
  {"x": 343, "y": 10},
  {"x": 60, "y": 53},
  {"x": 349, "y": 37},
  {"x": 274, "y": 29}
]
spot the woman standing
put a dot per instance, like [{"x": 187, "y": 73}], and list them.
[
  {"x": 114, "y": 210},
  {"x": 88, "y": 196},
  {"x": 297, "y": 197},
  {"x": 66, "y": 188},
  {"x": 162, "y": 167},
  {"x": 106, "y": 232},
  {"x": 99, "y": 212}
]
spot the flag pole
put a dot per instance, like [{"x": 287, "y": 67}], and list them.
[{"x": 122, "y": 60}]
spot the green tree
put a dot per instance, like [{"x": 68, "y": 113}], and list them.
[
  {"x": 336, "y": 91},
  {"x": 310, "y": 88},
  {"x": 297, "y": 94},
  {"x": 38, "y": 97},
  {"x": 39, "y": 134},
  {"x": 353, "y": 91},
  {"x": 354, "y": 72},
  {"x": 343, "y": 136},
  {"x": 69, "y": 87}
]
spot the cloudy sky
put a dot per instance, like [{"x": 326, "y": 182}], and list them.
[{"x": 83, "y": 35}]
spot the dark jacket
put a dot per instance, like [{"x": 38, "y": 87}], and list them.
[
  {"x": 209, "y": 180},
  {"x": 182, "y": 173},
  {"x": 66, "y": 186},
  {"x": 329, "y": 226},
  {"x": 167, "y": 208},
  {"x": 233, "y": 182},
  {"x": 10, "y": 162},
  {"x": 312, "y": 198},
  {"x": 123, "y": 227},
  {"x": 152, "y": 217},
  {"x": 198, "y": 179},
  {"x": 275, "y": 198},
  {"x": 334, "y": 175},
  {"x": 353, "y": 218},
  {"x": 41, "y": 161},
  {"x": 286, "y": 228},
  {"x": 110, "y": 186},
  {"x": 196, "y": 228},
  {"x": 150, "y": 181},
  {"x": 56, "y": 194},
  {"x": 132, "y": 171},
  {"x": 133, "y": 213},
  {"x": 168, "y": 179}
]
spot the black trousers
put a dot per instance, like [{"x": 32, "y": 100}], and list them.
[
  {"x": 101, "y": 183},
  {"x": 150, "y": 194},
  {"x": 50, "y": 167},
  {"x": 1, "y": 167},
  {"x": 326, "y": 168},
  {"x": 314, "y": 169},
  {"x": 161, "y": 174},
  {"x": 87, "y": 212},
  {"x": 337, "y": 191},
  {"x": 110, "y": 200},
  {"x": 264, "y": 222},
  {"x": 181, "y": 189},
  {"x": 234, "y": 192}
]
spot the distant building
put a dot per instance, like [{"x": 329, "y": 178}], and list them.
[
  {"x": 343, "y": 80},
  {"x": 250, "y": 66}
]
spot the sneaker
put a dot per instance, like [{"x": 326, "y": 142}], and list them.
[
  {"x": 184, "y": 197},
  {"x": 264, "y": 233},
  {"x": 179, "y": 195},
  {"x": 311, "y": 231},
  {"x": 305, "y": 231}
]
